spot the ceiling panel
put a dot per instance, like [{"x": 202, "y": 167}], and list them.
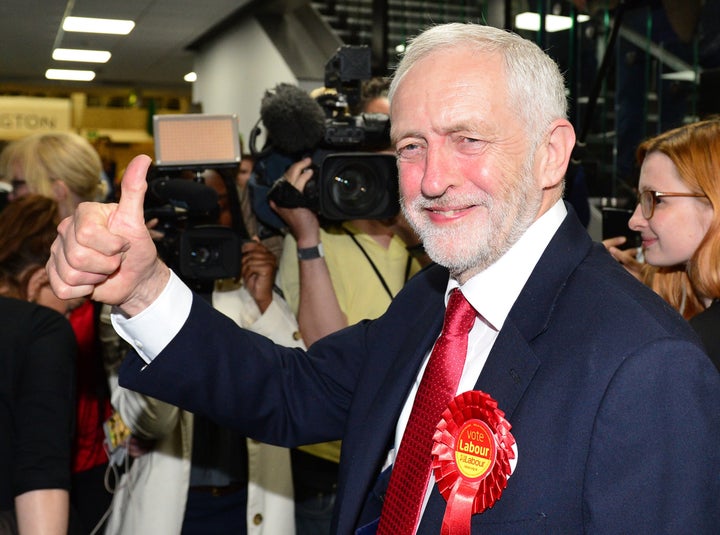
[{"x": 153, "y": 54}]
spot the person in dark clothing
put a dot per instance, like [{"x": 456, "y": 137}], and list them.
[{"x": 37, "y": 376}]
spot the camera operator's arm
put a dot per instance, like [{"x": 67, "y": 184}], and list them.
[
  {"x": 259, "y": 266},
  {"x": 319, "y": 312}
]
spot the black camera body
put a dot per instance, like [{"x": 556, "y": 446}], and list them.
[
  {"x": 350, "y": 180},
  {"x": 367, "y": 131},
  {"x": 193, "y": 244},
  {"x": 352, "y": 185}
]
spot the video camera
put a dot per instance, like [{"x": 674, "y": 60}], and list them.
[
  {"x": 193, "y": 244},
  {"x": 350, "y": 181}
]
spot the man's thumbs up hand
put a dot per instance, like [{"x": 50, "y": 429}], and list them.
[
  {"x": 129, "y": 212},
  {"x": 105, "y": 250}
]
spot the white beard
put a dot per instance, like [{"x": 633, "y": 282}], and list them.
[{"x": 467, "y": 249}]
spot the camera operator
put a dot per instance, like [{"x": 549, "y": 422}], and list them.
[
  {"x": 361, "y": 264},
  {"x": 274, "y": 242},
  {"x": 333, "y": 277},
  {"x": 373, "y": 97}
]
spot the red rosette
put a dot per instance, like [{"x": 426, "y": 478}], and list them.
[{"x": 472, "y": 450}]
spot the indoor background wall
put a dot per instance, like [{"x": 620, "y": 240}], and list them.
[{"x": 235, "y": 70}]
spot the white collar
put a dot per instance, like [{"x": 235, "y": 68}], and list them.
[{"x": 493, "y": 292}]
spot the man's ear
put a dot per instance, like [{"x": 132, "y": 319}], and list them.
[
  {"x": 37, "y": 280},
  {"x": 558, "y": 147}
]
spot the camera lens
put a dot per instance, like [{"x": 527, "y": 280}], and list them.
[
  {"x": 202, "y": 256},
  {"x": 355, "y": 189},
  {"x": 358, "y": 185}
]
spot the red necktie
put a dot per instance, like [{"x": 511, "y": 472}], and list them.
[{"x": 411, "y": 472}]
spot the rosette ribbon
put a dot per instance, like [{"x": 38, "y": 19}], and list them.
[{"x": 471, "y": 452}]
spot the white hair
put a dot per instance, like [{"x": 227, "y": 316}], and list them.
[{"x": 533, "y": 79}]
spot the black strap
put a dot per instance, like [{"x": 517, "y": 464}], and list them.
[
  {"x": 408, "y": 265},
  {"x": 372, "y": 264}
]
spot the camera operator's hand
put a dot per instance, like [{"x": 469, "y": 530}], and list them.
[
  {"x": 302, "y": 222},
  {"x": 259, "y": 266},
  {"x": 105, "y": 250}
]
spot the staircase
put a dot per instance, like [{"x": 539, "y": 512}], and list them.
[{"x": 361, "y": 22}]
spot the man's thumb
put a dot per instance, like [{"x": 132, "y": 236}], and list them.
[{"x": 133, "y": 187}]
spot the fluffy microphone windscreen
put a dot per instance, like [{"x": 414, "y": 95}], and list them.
[{"x": 294, "y": 121}]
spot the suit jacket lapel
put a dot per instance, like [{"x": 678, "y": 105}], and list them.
[
  {"x": 509, "y": 369},
  {"x": 512, "y": 363}
]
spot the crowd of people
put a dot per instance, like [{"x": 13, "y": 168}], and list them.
[
  {"x": 326, "y": 387},
  {"x": 66, "y": 168}
]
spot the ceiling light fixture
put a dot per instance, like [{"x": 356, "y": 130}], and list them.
[
  {"x": 190, "y": 77},
  {"x": 86, "y": 56},
  {"x": 553, "y": 23},
  {"x": 90, "y": 25},
  {"x": 69, "y": 74}
]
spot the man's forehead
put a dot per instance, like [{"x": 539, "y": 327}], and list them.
[
  {"x": 448, "y": 94},
  {"x": 459, "y": 66}
]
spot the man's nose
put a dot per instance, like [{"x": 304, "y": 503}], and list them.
[{"x": 440, "y": 172}]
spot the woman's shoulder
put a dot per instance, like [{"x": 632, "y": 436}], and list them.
[{"x": 20, "y": 316}]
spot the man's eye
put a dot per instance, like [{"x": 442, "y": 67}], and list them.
[
  {"x": 408, "y": 150},
  {"x": 470, "y": 141},
  {"x": 469, "y": 144}
]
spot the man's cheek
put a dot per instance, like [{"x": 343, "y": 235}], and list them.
[{"x": 410, "y": 183}]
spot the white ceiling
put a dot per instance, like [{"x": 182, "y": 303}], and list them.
[{"x": 154, "y": 54}]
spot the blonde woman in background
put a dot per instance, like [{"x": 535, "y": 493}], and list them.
[{"x": 60, "y": 165}]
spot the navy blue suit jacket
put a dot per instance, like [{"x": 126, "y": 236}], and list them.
[{"x": 614, "y": 406}]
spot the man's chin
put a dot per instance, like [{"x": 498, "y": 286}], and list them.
[{"x": 447, "y": 254}]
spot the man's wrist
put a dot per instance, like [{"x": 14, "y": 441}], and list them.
[
  {"x": 147, "y": 291},
  {"x": 310, "y": 253},
  {"x": 263, "y": 300},
  {"x": 150, "y": 331}
]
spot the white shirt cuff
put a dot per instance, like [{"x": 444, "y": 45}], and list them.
[{"x": 152, "y": 330}]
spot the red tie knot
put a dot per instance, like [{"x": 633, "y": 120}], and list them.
[{"x": 459, "y": 315}]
